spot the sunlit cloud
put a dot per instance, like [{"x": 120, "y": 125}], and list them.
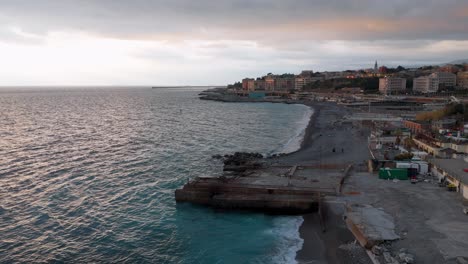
[{"x": 204, "y": 42}]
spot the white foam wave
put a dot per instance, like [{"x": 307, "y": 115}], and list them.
[
  {"x": 294, "y": 143},
  {"x": 286, "y": 230}
]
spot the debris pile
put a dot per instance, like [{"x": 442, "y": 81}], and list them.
[{"x": 385, "y": 256}]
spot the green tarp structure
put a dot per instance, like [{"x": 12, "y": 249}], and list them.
[{"x": 390, "y": 174}]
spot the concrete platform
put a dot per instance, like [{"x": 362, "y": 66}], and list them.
[
  {"x": 288, "y": 189},
  {"x": 370, "y": 226}
]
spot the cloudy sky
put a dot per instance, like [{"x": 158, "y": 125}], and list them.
[{"x": 210, "y": 42}]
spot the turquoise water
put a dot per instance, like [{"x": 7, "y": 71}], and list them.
[{"x": 88, "y": 174}]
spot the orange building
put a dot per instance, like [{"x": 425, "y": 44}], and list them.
[
  {"x": 248, "y": 84},
  {"x": 259, "y": 84},
  {"x": 449, "y": 68},
  {"x": 415, "y": 127},
  {"x": 270, "y": 83}
]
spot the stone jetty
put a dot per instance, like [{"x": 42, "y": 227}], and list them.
[{"x": 250, "y": 182}]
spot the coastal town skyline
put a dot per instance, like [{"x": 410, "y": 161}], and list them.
[{"x": 182, "y": 43}]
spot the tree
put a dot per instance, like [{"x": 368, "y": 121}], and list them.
[
  {"x": 404, "y": 156},
  {"x": 408, "y": 143},
  {"x": 398, "y": 140},
  {"x": 236, "y": 85},
  {"x": 400, "y": 68}
]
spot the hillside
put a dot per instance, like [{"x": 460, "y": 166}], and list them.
[{"x": 462, "y": 61}]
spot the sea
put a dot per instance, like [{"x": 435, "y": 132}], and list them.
[{"x": 88, "y": 174}]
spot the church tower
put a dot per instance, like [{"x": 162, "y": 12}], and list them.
[{"x": 376, "y": 67}]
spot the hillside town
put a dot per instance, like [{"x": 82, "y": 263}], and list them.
[
  {"x": 405, "y": 134},
  {"x": 426, "y": 80},
  {"x": 417, "y": 117}
]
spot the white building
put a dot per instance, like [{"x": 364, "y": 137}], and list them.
[
  {"x": 445, "y": 79},
  {"x": 425, "y": 84},
  {"x": 392, "y": 85}
]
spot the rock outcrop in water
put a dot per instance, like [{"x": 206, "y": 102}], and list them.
[
  {"x": 241, "y": 161},
  {"x": 242, "y": 158}
]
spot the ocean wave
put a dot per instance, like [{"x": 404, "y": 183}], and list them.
[
  {"x": 286, "y": 229},
  {"x": 294, "y": 142}
]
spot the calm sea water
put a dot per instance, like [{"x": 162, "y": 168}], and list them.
[{"x": 89, "y": 175}]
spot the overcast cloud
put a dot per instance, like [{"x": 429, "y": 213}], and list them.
[{"x": 217, "y": 42}]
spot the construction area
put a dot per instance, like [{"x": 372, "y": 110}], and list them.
[{"x": 425, "y": 222}]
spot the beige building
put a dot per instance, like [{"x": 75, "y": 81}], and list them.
[
  {"x": 285, "y": 84},
  {"x": 392, "y": 85},
  {"x": 453, "y": 171},
  {"x": 425, "y": 84},
  {"x": 300, "y": 82},
  {"x": 270, "y": 83},
  {"x": 462, "y": 80}
]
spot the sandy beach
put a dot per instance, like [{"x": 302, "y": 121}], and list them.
[{"x": 322, "y": 134}]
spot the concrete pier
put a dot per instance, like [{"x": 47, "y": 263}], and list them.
[{"x": 275, "y": 189}]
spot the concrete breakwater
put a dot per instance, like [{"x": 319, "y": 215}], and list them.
[{"x": 269, "y": 188}]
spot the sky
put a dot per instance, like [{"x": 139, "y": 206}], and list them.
[{"x": 215, "y": 42}]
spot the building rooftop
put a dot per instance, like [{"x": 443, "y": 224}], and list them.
[{"x": 455, "y": 167}]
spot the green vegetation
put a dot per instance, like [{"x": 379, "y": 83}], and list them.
[
  {"x": 395, "y": 70},
  {"x": 449, "y": 110},
  {"x": 398, "y": 140},
  {"x": 287, "y": 75},
  {"x": 430, "y": 67},
  {"x": 404, "y": 156},
  {"x": 367, "y": 84},
  {"x": 409, "y": 144},
  {"x": 409, "y": 84},
  {"x": 236, "y": 85}
]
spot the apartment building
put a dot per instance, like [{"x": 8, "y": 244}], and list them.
[
  {"x": 270, "y": 83},
  {"x": 392, "y": 85},
  {"x": 445, "y": 79},
  {"x": 462, "y": 80},
  {"x": 300, "y": 82},
  {"x": 425, "y": 84},
  {"x": 248, "y": 84},
  {"x": 285, "y": 83},
  {"x": 259, "y": 84}
]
